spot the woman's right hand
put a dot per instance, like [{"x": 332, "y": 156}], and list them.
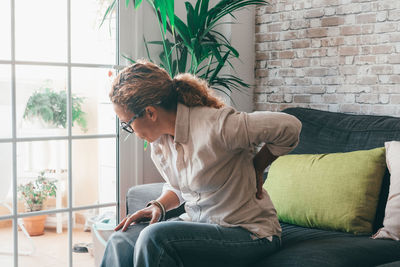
[{"x": 151, "y": 213}]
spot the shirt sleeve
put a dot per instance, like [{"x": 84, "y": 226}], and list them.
[
  {"x": 278, "y": 130},
  {"x": 168, "y": 187}
]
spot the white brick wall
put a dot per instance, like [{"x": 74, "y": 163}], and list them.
[{"x": 337, "y": 55}]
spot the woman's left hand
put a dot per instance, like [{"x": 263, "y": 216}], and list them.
[
  {"x": 262, "y": 160},
  {"x": 259, "y": 181}
]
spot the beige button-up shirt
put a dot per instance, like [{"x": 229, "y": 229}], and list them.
[{"x": 209, "y": 164}]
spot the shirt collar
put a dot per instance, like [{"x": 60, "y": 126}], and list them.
[{"x": 182, "y": 124}]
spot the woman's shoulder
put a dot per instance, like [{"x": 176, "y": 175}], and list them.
[{"x": 210, "y": 113}]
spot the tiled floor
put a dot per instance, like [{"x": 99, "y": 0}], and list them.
[{"x": 51, "y": 249}]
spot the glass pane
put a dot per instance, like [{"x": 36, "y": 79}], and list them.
[
  {"x": 51, "y": 248},
  {"x": 6, "y": 243},
  {"x": 41, "y": 100},
  {"x": 5, "y": 30},
  {"x": 94, "y": 171},
  {"x": 89, "y": 43},
  {"x": 41, "y": 30},
  {"x": 90, "y": 88},
  {"x": 6, "y": 166},
  {"x": 42, "y": 175},
  {"x": 92, "y": 229},
  {"x": 5, "y": 100}
]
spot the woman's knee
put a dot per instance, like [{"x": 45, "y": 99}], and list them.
[
  {"x": 118, "y": 252},
  {"x": 120, "y": 240},
  {"x": 156, "y": 235},
  {"x": 151, "y": 246},
  {"x": 151, "y": 234}
]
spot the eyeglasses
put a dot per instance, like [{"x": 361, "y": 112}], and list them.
[{"x": 127, "y": 125}]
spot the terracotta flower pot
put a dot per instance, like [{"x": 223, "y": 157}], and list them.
[{"x": 35, "y": 225}]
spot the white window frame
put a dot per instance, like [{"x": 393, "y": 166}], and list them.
[{"x": 127, "y": 174}]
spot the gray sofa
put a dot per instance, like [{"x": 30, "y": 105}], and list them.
[{"x": 322, "y": 132}]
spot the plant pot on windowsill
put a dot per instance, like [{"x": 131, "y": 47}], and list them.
[{"x": 34, "y": 194}]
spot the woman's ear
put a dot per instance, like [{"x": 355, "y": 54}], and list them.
[{"x": 151, "y": 113}]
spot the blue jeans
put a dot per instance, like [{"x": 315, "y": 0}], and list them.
[{"x": 189, "y": 244}]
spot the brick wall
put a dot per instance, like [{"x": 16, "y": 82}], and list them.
[{"x": 336, "y": 55}]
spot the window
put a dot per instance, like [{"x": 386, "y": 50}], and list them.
[{"x": 56, "y": 68}]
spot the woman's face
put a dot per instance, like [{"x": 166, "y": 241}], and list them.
[{"x": 144, "y": 127}]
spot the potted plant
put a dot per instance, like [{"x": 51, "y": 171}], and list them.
[
  {"x": 33, "y": 194},
  {"x": 51, "y": 108},
  {"x": 196, "y": 46}
]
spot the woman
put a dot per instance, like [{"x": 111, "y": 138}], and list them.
[{"x": 204, "y": 151}]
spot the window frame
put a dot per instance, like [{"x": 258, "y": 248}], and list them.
[{"x": 130, "y": 152}]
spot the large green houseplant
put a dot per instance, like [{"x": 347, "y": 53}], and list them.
[
  {"x": 51, "y": 107},
  {"x": 196, "y": 46}
]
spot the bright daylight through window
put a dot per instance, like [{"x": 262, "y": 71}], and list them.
[{"x": 58, "y": 134}]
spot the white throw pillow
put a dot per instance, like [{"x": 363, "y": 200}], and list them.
[{"x": 391, "y": 222}]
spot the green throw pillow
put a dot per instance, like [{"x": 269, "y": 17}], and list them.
[{"x": 338, "y": 191}]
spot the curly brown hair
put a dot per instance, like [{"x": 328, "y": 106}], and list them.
[{"x": 146, "y": 84}]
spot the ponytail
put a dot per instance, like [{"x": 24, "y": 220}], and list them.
[{"x": 192, "y": 91}]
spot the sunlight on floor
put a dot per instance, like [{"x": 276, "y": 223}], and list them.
[{"x": 51, "y": 249}]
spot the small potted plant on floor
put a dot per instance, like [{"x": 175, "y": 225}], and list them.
[{"x": 33, "y": 194}]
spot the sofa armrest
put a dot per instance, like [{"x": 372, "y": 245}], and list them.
[{"x": 138, "y": 196}]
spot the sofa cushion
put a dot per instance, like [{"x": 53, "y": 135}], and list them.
[
  {"x": 391, "y": 222},
  {"x": 337, "y": 191},
  {"x": 314, "y": 248},
  {"x": 330, "y": 132}
]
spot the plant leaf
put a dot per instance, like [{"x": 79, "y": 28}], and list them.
[
  {"x": 171, "y": 13},
  {"x": 190, "y": 18},
  {"x": 155, "y": 42},
  {"x": 219, "y": 67},
  {"x": 137, "y": 3},
  {"x": 147, "y": 50},
  {"x": 182, "y": 61},
  {"x": 183, "y": 31},
  {"x": 160, "y": 6},
  {"x": 129, "y": 59},
  {"x": 203, "y": 13},
  {"x": 108, "y": 11}
]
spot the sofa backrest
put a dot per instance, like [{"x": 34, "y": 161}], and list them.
[{"x": 330, "y": 132}]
